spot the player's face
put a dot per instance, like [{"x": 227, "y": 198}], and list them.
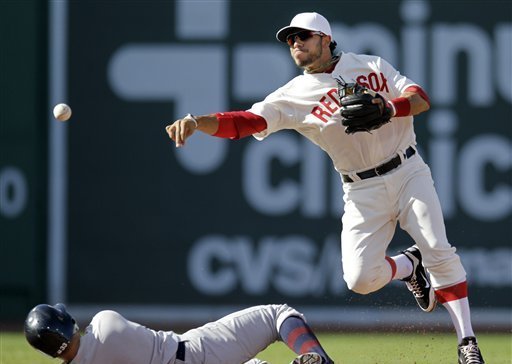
[{"x": 306, "y": 48}]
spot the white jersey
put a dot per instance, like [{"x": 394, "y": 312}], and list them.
[
  {"x": 112, "y": 339},
  {"x": 310, "y": 105}
]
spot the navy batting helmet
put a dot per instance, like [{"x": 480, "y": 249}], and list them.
[{"x": 50, "y": 328}]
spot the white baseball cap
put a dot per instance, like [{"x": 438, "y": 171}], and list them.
[{"x": 305, "y": 21}]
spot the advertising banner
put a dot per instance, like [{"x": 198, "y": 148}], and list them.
[{"x": 223, "y": 223}]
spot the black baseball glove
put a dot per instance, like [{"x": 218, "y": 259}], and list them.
[{"x": 359, "y": 111}]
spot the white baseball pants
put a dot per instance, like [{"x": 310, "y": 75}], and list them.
[{"x": 372, "y": 209}]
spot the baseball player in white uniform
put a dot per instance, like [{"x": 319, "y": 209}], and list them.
[
  {"x": 385, "y": 180},
  {"x": 112, "y": 339}
]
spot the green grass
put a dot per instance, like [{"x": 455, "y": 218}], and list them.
[
  {"x": 381, "y": 348},
  {"x": 387, "y": 348}
]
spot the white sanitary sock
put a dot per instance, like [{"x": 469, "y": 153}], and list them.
[
  {"x": 459, "y": 312},
  {"x": 403, "y": 266}
]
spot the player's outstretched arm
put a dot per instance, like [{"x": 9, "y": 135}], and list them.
[
  {"x": 230, "y": 125},
  {"x": 182, "y": 129}
]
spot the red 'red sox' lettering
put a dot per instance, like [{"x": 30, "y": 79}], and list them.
[
  {"x": 374, "y": 82},
  {"x": 328, "y": 106}
]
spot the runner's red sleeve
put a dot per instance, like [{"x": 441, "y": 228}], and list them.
[{"x": 239, "y": 124}]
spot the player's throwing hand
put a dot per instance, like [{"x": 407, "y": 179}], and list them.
[{"x": 181, "y": 129}]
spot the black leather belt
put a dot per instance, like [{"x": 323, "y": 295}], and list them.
[
  {"x": 383, "y": 168},
  {"x": 180, "y": 353}
]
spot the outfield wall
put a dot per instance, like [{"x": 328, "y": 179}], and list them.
[
  {"x": 133, "y": 223},
  {"x": 23, "y": 150}
]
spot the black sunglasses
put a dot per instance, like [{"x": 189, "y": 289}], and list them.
[{"x": 302, "y": 35}]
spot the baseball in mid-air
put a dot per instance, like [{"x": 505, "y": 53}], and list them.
[{"x": 62, "y": 112}]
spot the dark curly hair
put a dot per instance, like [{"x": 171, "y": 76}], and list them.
[{"x": 332, "y": 46}]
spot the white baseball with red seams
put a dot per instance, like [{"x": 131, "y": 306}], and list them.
[
  {"x": 62, "y": 112},
  {"x": 309, "y": 104}
]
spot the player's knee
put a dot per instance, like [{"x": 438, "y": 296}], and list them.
[{"x": 360, "y": 282}]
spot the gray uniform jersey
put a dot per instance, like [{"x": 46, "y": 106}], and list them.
[
  {"x": 112, "y": 339},
  {"x": 233, "y": 339}
]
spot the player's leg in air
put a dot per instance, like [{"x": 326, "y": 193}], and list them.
[
  {"x": 422, "y": 218},
  {"x": 431, "y": 269}
]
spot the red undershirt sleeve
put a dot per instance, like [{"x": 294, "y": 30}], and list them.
[
  {"x": 239, "y": 124},
  {"x": 420, "y": 92},
  {"x": 401, "y": 105}
]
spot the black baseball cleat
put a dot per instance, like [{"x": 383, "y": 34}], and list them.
[
  {"x": 418, "y": 282},
  {"x": 468, "y": 351},
  {"x": 308, "y": 358}
]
